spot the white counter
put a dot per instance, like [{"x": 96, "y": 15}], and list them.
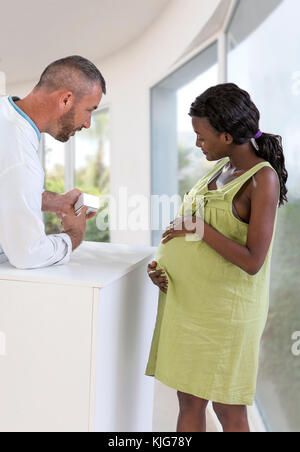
[
  {"x": 92, "y": 265},
  {"x": 74, "y": 342}
]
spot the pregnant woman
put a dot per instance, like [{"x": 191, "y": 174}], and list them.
[{"x": 214, "y": 289}]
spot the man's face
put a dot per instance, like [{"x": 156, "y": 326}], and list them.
[{"x": 79, "y": 116}]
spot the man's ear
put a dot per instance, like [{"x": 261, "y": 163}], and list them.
[{"x": 66, "y": 101}]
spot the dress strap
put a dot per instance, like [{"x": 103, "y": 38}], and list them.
[{"x": 235, "y": 185}]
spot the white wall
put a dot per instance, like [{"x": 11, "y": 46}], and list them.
[{"x": 130, "y": 74}]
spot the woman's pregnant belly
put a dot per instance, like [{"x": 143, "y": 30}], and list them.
[
  {"x": 191, "y": 268},
  {"x": 184, "y": 260},
  {"x": 181, "y": 258}
]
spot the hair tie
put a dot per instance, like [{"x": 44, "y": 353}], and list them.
[{"x": 258, "y": 135}]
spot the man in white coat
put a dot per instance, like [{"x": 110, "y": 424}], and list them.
[{"x": 61, "y": 104}]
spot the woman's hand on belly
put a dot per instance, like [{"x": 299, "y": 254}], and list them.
[
  {"x": 182, "y": 226},
  {"x": 158, "y": 277}
]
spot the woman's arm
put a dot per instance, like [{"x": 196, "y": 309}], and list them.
[{"x": 264, "y": 202}]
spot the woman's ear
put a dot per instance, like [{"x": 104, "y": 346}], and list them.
[{"x": 228, "y": 139}]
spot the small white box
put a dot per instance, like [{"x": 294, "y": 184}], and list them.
[{"x": 90, "y": 201}]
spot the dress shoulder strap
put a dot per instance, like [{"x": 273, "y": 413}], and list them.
[{"x": 238, "y": 182}]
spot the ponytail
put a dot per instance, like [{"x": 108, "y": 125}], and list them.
[{"x": 270, "y": 149}]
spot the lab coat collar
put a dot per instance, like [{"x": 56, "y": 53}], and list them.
[{"x": 12, "y": 101}]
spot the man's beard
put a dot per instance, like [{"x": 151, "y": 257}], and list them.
[{"x": 66, "y": 126}]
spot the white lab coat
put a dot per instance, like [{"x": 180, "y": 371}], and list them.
[{"x": 23, "y": 240}]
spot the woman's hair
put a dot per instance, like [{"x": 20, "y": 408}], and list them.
[{"x": 230, "y": 109}]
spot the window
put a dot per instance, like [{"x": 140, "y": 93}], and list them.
[
  {"x": 258, "y": 44},
  {"x": 263, "y": 45},
  {"x": 191, "y": 164},
  {"x": 92, "y": 167},
  {"x": 176, "y": 162},
  {"x": 54, "y": 162},
  {"x": 83, "y": 162}
]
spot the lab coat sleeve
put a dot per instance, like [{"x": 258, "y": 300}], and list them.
[{"x": 22, "y": 231}]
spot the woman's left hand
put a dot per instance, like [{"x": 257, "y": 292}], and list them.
[{"x": 182, "y": 226}]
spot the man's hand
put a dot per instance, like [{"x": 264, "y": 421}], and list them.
[
  {"x": 75, "y": 226},
  {"x": 67, "y": 202},
  {"x": 60, "y": 203}
]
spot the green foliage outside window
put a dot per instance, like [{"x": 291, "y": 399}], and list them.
[{"x": 92, "y": 177}]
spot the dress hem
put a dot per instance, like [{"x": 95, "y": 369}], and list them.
[{"x": 212, "y": 397}]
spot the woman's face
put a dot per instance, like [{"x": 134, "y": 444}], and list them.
[{"x": 214, "y": 145}]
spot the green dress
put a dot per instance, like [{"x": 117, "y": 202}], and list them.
[{"x": 209, "y": 324}]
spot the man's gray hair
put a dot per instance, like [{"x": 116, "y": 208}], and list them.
[{"x": 74, "y": 72}]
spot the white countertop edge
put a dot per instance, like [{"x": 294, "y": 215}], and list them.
[{"x": 82, "y": 283}]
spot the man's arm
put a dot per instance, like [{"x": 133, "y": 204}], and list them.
[
  {"x": 22, "y": 231},
  {"x": 60, "y": 203},
  {"x": 51, "y": 201}
]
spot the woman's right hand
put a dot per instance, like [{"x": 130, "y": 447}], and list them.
[{"x": 158, "y": 277}]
